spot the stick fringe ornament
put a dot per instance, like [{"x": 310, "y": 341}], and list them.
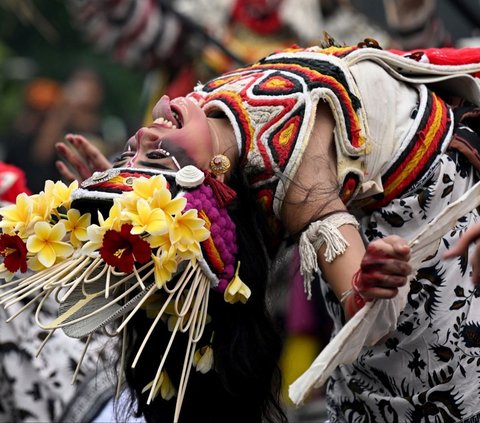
[{"x": 151, "y": 241}]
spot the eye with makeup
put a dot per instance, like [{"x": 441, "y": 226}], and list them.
[
  {"x": 128, "y": 152},
  {"x": 159, "y": 153}
]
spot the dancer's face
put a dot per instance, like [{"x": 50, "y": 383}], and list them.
[{"x": 179, "y": 135}]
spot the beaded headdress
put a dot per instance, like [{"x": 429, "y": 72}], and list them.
[{"x": 126, "y": 239}]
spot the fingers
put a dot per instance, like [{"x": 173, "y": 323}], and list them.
[
  {"x": 385, "y": 265},
  {"x": 378, "y": 285},
  {"x": 392, "y": 245},
  {"x": 384, "y": 268},
  {"x": 65, "y": 172},
  {"x": 89, "y": 152},
  {"x": 78, "y": 168},
  {"x": 81, "y": 161},
  {"x": 475, "y": 263},
  {"x": 470, "y": 236}
]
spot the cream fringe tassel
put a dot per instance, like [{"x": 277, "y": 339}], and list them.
[{"x": 318, "y": 233}]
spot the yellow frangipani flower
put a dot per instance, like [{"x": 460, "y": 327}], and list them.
[
  {"x": 114, "y": 220},
  {"x": 164, "y": 385},
  {"x": 165, "y": 265},
  {"x": 18, "y": 217},
  {"x": 77, "y": 225},
  {"x": 60, "y": 193},
  {"x": 162, "y": 199},
  {"x": 147, "y": 219},
  {"x": 186, "y": 233},
  {"x": 95, "y": 238},
  {"x": 146, "y": 187},
  {"x": 5, "y": 274},
  {"x": 237, "y": 290},
  {"x": 203, "y": 359},
  {"x": 35, "y": 265},
  {"x": 47, "y": 243},
  {"x": 159, "y": 241},
  {"x": 167, "y": 390},
  {"x": 43, "y": 205},
  {"x": 128, "y": 201}
]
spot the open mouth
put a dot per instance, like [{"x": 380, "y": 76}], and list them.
[{"x": 170, "y": 116}]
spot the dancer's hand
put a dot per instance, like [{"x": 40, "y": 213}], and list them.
[
  {"x": 80, "y": 161},
  {"x": 384, "y": 268},
  {"x": 461, "y": 247}
]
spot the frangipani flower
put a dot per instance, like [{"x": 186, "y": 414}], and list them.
[
  {"x": 164, "y": 385},
  {"x": 5, "y": 274},
  {"x": 47, "y": 243},
  {"x": 237, "y": 290},
  {"x": 114, "y": 220},
  {"x": 14, "y": 251},
  {"x": 162, "y": 199},
  {"x": 43, "y": 205},
  {"x": 122, "y": 249},
  {"x": 160, "y": 241},
  {"x": 77, "y": 225},
  {"x": 165, "y": 266},
  {"x": 203, "y": 359},
  {"x": 18, "y": 217},
  {"x": 186, "y": 233},
  {"x": 146, "y": 187},
  {"x": 95, "y": 235},
  {"x": 127, "y": 203},
  {"x": 60, "y": 193},
  {"x": 35, "y": 265},
  {"x": 148, "y": 219}
]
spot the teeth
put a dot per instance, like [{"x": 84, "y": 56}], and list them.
[
  {"x": 164, "y": 122},
  {"x": 176, "y": 115}
]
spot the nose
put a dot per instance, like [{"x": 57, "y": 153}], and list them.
[{"x": 146, "y": 140}]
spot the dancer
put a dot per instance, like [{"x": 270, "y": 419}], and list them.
[{"x": 303, "y": 132}]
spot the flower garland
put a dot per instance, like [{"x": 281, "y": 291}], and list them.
[
  {"x": 41, "y": 230},
  {"x": 146, "y": 231}
]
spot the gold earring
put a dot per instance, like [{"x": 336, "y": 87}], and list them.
[{"x": 219, "y": 164}]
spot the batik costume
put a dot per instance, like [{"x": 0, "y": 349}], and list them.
[{"x": 397, "y": 142}]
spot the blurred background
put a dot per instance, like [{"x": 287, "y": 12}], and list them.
[{"x": 45, "y": 63}]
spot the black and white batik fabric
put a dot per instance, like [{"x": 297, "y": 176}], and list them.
[
  {"x": 428, "y": 369},
  {"x": 40, "y": 389}
]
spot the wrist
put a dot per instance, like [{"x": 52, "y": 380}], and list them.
[{"x": 351, "y": 299}]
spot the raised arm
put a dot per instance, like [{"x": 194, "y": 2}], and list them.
[{"x": 375, "y": 271}]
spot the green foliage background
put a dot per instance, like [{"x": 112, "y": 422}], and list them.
[{"x": 22, "y": 41}]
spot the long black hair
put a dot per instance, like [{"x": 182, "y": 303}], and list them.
[{"x": 244, "y": 386}]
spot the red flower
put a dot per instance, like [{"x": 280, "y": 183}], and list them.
[
  {"x": 122, "y": 249},
  {"x": 14, "y": 250}
]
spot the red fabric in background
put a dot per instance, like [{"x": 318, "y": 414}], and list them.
[
  {"x": 12, "y": 183},
  {"x": 446, "y": 55}
]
